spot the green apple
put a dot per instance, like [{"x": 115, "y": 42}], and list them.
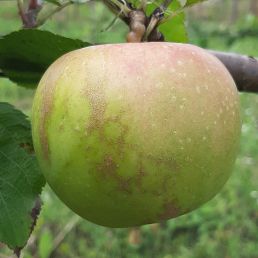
[{"x": 131, "y": 134}]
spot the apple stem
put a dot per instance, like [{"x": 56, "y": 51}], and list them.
[
  {"x": 137, "y": 26},
  {"x": 142, "y": 27},
  {"x": 138, "y": 21}
]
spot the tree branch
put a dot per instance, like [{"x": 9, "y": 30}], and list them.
[
  {"x": 29, "y": 16},
  {"x": 21, "y": 12},
  {"x": 33, "y": 10},
  {"x": 243, "y": 69}
]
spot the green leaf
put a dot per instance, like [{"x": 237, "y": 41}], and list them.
[
  {"x": 26, "y": 54},
  {"x": 174, "y": 29},
  {"x": 20, "y": 178}
]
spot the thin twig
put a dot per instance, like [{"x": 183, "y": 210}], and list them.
[
  {"x": 21, "y": 12},
  {"x": 122, "y": 4},
  {"x": 172, "y": 15},
  {"x": 56, "y": 10},
  {"x": 116, "y": 9},
  {"x": 112, "y": 22},
  {"x": 66, "y": 230},
  {"x": 33, "y": 4},
  {"x": 143, "y": 5},
  {"x": 165, "y": 5},
  {"x": 29, "y": 16},
  {"x": 156, "y": 16},
  {"x": 32, "y": 13}
]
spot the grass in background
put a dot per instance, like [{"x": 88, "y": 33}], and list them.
[{"x": 17, "y": 96}]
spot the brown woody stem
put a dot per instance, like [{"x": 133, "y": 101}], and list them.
[
  {"x": 137, "y": 23},
  {"x": 29, "y": 16},
  {"x": 243, "y": 69}
]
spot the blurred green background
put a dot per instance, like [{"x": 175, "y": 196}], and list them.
[{"x": 227, "y": 226}]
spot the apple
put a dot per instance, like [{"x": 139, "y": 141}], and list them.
[{"x": 132, "y": 134}]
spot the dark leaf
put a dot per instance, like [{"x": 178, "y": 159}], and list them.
[
  {"x": 21, "y": 181},
  {"x": 26, "y": 54}
]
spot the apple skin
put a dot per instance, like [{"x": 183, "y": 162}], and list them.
[{"x": 132, "y": 134}]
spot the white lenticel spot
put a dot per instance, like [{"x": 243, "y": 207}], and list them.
[
  {"x": 166, "y": 47},
  {"x": 77, "y": 128},
  {"x": 198, "y": 89},
  {"x": 159, "y": 84},
  {"x": 173, "y": 98},
  {"x": 179, "y": 62}
]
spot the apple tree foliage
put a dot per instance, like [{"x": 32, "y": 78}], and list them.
[{"x": 21, "y": 181}]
